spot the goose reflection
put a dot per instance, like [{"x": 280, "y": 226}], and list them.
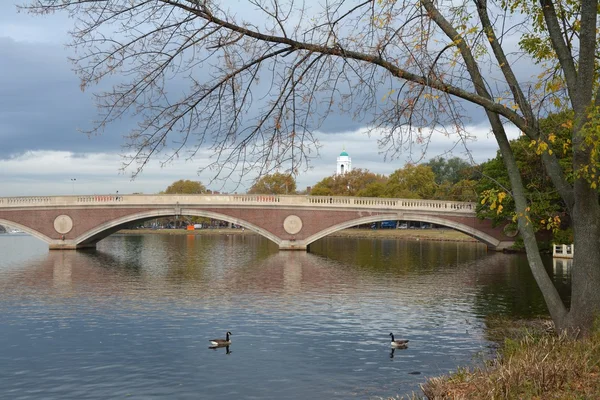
[
  {"x": 226, "y": 346},
  {"x": 393, "y": 349}
]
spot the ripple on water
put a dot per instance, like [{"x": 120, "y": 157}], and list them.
[{"x": 133, "y": 318}]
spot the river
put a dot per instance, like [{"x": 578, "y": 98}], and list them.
[{"x": 132, "y": 319}]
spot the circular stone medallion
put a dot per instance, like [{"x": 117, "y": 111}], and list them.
[
  {"x": 510, "y": 230},
  {"x": 63, "y": 224},
  {"x": 292, "y": 224}
]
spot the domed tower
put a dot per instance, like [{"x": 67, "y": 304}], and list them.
[{"x": 344, "y": 163}]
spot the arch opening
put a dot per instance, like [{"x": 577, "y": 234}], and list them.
[
  {"x": 104, "y": 230},
  {"x": 466, "y": 229},
  {"x": 25, "y": 229}
]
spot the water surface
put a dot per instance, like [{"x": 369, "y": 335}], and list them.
[{"x": 133, "y": 318}]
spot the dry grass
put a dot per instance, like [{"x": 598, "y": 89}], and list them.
[{"x": 531, "y": 364}]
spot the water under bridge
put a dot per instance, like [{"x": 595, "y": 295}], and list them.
[{"x": 293, "y": 222}]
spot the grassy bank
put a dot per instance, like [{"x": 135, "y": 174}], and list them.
[
  {"x": 405, "y": 234},
  {"x": 532, "y": 363}
]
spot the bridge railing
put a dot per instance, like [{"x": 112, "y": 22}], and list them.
[
  {"x": 57, "y": 200},
  {"x": 241, "y": 199}
]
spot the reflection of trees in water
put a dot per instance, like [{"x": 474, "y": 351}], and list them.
[
  {"x": 390, "y": 254},
  {"x": 502, "y": 283},
  {"x": 508, "y": 288},
  {"x": 58, "y": 273},
  {"x": 206, "y": 257},
  {"x": 236, "y": 268},
  {"x": 123, "y": 264},
  {"x": 346, "y": 273}
]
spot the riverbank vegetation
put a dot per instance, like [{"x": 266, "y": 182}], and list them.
[{"x": 532, "y": 362}]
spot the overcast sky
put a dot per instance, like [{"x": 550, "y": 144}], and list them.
[{"x": 42, "y": 107}]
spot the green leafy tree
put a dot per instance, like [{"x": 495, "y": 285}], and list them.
[
  {"x": 339, "y": 54},
  {"x": 276, "y": 183},
  {"x": 463, "y": 190},
  {"x": 450, "y": 170},
  {"x": 185, "y": 187},
  {"x": 373, "y": 189},
  {"x": 357, "y": 182},
  {"x": 547, "y": 208},
  {"x": 411, "y": 182}
]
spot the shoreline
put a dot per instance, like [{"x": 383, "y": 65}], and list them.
[
  {"x": 438, "y": 235},
  {"x": 531, "y": 362}
]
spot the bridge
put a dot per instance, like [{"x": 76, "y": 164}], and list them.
[{"x": 293, "y": 222}]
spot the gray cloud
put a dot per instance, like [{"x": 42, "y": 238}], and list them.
[{"x": 42, "y": 107}]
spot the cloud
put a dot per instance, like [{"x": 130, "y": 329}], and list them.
[
  {"x": 51, "y": 172},
  {"x": 42, "y": 108},
  {"x": 22, "y": 27}
]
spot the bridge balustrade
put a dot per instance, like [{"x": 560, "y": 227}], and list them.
[
  {"x": 289, "y": 200},
  {"x": 99, "y": 198},
  {"x": 256, "y": 198},
  {"x": 328, "y": 200},
  {"x": 27, "y": 200}
]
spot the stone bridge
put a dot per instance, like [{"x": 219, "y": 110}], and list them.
[{"x": 292, "y": 222}]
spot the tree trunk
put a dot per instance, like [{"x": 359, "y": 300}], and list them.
[
  {"x": 556, "y": 307},
  {"x": 585, "y": 272}
]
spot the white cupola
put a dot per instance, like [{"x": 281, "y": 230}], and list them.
[{"x": 344, "y": 163}]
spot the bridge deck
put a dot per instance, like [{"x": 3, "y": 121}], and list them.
[{"x": 170, "y": 200}]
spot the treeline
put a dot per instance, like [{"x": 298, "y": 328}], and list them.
[
  {"x": 441, "y": 179},
  {"x": 455, "y": 179},
  {"x": 451, "y": 179}
]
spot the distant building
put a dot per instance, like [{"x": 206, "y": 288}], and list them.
[{"x": 344, "y": 163}]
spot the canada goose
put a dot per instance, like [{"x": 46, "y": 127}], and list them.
[
  {"x": 398, "y": 344},
  {"x": 221, "y": 342}
]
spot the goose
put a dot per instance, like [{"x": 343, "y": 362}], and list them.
[
  {"x": 398, "y": 344},
  {"x": 221, "y": 342}
]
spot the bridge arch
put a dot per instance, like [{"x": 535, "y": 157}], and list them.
[
  {"x": 108, "y": 228},
  {"x": 466, "y": 229},
  {"x": 26, "y": 229}
]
